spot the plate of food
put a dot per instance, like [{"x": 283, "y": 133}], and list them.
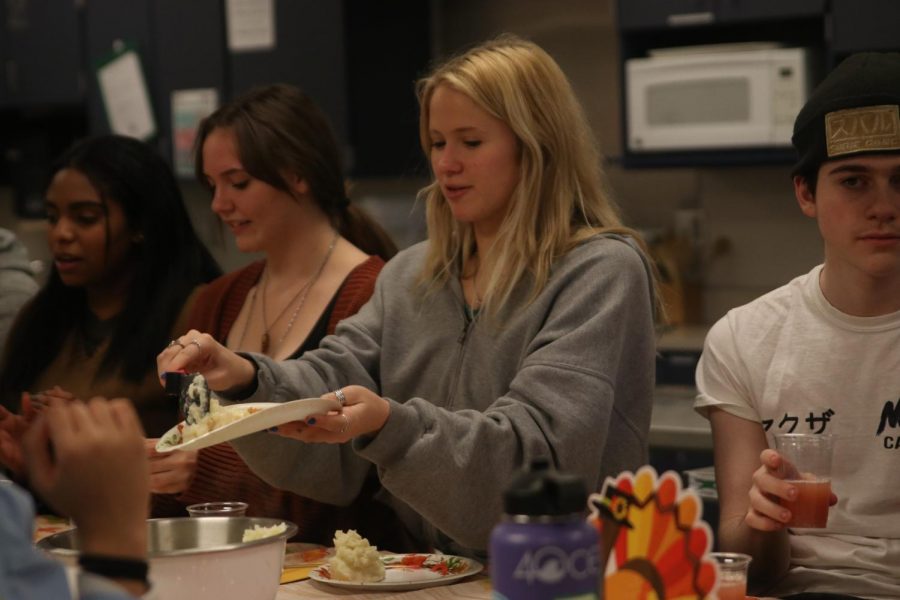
[
  {"x": 45, "y": 525},
  {"x": 405, "y": 572},
  {"x": 355, "y": 564},
  {"x": 225, "y": 423}
]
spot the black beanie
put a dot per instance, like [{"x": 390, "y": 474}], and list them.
[{"x": 855, "y": 110}]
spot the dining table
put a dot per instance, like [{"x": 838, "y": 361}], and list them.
[{"x": 478, "y": 587}]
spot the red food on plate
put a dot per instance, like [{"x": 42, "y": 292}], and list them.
[{"x": 414, "y": 560}]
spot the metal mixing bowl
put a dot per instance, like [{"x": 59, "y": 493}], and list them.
[{"x": 202, "y": 557}]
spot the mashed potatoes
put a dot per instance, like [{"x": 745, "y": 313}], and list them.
[
  {"x": 258, "y": 532},
  {"x": 218, "y": 416},
  {"x": 355, "y": 559}
]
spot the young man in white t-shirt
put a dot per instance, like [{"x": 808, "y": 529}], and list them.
[{"x": 822, "y": 355}]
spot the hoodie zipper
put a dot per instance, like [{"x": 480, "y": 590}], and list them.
[{"x": 460, "y": 353}]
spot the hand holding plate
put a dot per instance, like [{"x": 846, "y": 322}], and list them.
[
  {"x": 170, "y": 472},
  {"x": 364, "y": 412}
]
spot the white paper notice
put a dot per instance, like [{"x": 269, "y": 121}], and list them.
[
  {"x": 125, "y": 97},
  {"x": 251, "y": 24},
  {"x": 189, "y": 107}
]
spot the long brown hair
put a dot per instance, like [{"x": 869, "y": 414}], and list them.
[{"x": 280, "y": 131}]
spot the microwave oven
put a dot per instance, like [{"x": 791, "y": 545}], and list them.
[{"x": 701, "y": 100}]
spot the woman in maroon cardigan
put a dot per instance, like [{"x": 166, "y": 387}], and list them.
[{"x": 273, "y": 167}]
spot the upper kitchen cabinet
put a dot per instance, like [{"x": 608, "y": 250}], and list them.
[
  {"x": 655, "y": 14},
  {"x": 864, "y": 25},
  {"x": 646, "y": 25},
  {"x": 308, "y": 50},
  {"x": 42, "y": 91},
  {"x": 180, "y": 46},
  {"x": 40, "y": 48},
  {"x": 768, "y": 10},
  {"x": 358, "y": 60},
  {"x": 107, "y": 25},
  {"x": 388, "y": 48},
  {"x": 187, "y": 59}
]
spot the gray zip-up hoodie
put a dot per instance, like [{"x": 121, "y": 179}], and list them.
[
  {"x": 17, "y": 284},
  {"x": 569, "y": 377}
]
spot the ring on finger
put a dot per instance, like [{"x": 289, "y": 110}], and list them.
[
  {"x": 196, "y": 342},
  {"x": 175, "y": 343},
  {"x": 346, "y": 423},
  {"x": 339, "y": 394}
]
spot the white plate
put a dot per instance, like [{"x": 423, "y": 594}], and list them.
[
  {"x": 399, "y": 576},
  {"x": 269, "y": 415}
]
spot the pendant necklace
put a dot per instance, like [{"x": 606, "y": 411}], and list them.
[{"x": 299, "y": 298}]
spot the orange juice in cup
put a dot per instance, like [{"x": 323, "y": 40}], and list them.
[
  {"x": 732, "y": 577},
  {"x": 810, "y": 509},
  {"x": 806, "y": 464},
  {"x": 733, "y": 591}
]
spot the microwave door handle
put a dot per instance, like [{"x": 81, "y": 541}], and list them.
[{"x": 693, "y": 18}]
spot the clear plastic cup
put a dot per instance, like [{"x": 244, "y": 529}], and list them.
[
  {"x": 218, "y": 509},
  {"x": 806, "y": 465},
  {"x": 732, "y": 574}
]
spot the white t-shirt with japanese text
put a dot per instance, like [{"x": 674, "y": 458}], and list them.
[{"x": 794, "y": 363}]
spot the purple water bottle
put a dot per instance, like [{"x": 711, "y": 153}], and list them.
[{"x": 544, "y": 549}]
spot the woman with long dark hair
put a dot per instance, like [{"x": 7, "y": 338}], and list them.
[{"x": 126, "y": 262}]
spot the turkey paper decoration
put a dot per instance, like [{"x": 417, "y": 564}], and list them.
[{"x": 652, "y": 538}]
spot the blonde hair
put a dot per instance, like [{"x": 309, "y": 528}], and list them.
[{"x": 561, "y": 198}]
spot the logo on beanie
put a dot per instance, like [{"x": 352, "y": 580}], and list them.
[{"x": 865, "y": 129}]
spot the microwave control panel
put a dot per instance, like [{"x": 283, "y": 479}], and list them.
[{"x": 790, "y": 86}]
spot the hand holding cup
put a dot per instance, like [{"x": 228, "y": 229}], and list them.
[{"x": 806, "y": 465}]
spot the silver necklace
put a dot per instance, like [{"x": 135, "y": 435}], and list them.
[{"x": 301, "y": 294}]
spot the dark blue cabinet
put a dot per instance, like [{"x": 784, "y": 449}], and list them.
[
  {"x": 309, "y": 52},
  {"x": 358, "y": 59},
  {"x": 188, "y": 53},
  {"x": 108, "y": 23},
  {"x": 656, "y": 14},
  {"x": 865, "y": 25},
  {"x": 40, "y": 48}
]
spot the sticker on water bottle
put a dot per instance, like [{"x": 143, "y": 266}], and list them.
[{"x": 550, "y": 565}]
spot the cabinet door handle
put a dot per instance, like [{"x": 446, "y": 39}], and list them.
[{"x": 694, "y": 18}]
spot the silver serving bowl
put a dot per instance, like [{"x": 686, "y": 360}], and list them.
[{"x": 193, "y": 558}]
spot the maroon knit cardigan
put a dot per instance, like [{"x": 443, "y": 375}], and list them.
[{"x": 221, "y": 473}]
